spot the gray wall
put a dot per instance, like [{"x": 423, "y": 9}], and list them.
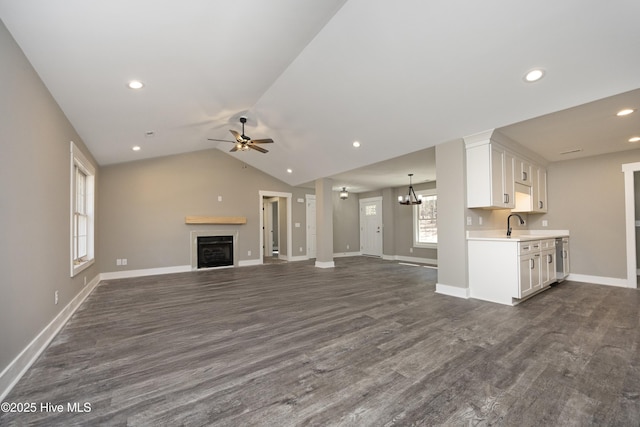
[
  {"x": 346, "y": 220},
  {"x": 586, "y": 196},
  {"x": 34, "y": 204},
  {"x": 452, "y": 242},
  {"x": 143, "y": 205}
]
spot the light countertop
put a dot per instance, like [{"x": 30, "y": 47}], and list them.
[{"x": 516, "y": 235}]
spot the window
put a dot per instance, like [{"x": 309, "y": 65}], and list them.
[
  {"x": 425, "y": 228},
  {"x": 82, "y": 211}
]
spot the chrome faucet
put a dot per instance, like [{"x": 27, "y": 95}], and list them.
[{"x": 509, "y": 223}]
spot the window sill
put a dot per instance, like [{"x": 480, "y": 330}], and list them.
[
  {"x": 75, "y": 269},
  {"x": 426, "y": 245}
]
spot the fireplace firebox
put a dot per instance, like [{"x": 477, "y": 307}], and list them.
[{"x": 215, "y": 251}]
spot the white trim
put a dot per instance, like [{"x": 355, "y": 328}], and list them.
[
  {"x": 325, "y": 264},
  {"x": 430, "y": 245},
  {"x": 452, "y": 291},
  {"x": 346, "y": 254},
  {"x": 598, "y": 280},
  {"x": 410, "y": 259},
  {"x": 145, "y": 272},
  {"x": 249, "y": 262},
  {"x": 78, "y": 159},
  {"x": 262, "y": 194},
  {"x": 299, "y": 258},
  {"x": 18, "y": 366},
  {"x": 630, "y": 219}
]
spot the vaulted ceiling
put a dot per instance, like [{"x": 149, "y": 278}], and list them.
[{"x": 317, "y": 75}]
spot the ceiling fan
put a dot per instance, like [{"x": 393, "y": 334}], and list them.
[{"x": 243, "y": 142}]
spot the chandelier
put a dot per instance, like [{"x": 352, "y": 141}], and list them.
[{"x": 411, "y": 198}]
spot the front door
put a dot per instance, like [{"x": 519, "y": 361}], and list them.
[{"x": 371, "y": 226}]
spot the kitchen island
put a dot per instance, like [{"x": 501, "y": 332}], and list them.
[{"x": 508, "y": 270}]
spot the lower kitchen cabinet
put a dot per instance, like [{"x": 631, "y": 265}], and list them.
[{"x": 507, "y": 271}]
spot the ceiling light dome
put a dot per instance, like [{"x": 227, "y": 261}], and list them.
[
  {"x": 625, "y": 112},
  {"x": 534, "y": 75},
  {"x": 135, "y": 84}
]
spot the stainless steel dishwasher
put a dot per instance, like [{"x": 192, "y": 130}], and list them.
[{"x": 562, "y": 258}]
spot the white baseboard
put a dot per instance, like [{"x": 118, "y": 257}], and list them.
[
  {"x": 411, "y": 259},
  {"x": 346, "y": 254},
  {"x": 144, "y": 272},
  {"x": 299, "y": 258},
  {"x": 249, "y": 262},
  {"x": 325, "y": 264},
  {"x": 598, "y": 280},
  {"x": 452, "y": 291},
  {"x": 17, "y": 368}
]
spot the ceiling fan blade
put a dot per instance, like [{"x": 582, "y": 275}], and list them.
[
  {"x": 235, "y": 148},
  {"x": 223, "y": 140},
  {"x": 236, "y": 135},
  {"x": 262, "y": 141},
  {"x": 255, "y": 147}
]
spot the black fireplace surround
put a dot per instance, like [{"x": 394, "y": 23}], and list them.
[{"x": 215, "y": 251}]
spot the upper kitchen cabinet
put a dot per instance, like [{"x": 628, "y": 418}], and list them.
[{"x": 503, "y": 175}]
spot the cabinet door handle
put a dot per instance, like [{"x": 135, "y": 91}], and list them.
[
  {"x": 533, "y": 263},
  {"x": 541, "y": 204},
  {"x": 550, "y": 258},
  {"x": 524, "y": 176},
  {"x": 564, "y": 254},
  {"x": 506, "y": 198}
]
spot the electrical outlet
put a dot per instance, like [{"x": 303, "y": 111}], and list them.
[
  {"x": 410, "y": 250},
  {"x": 118, "y": 261},
  {"x": 300, "y": 250},
  {"x": 469, "y": 220},
  {"x": 55, "y": 297},
  {"x": 479, "y": 220},
  {"x": 347, "y": 246},
  {"x": 249, "y": 253},
  {"x": 545, "y": 223},
  {"x": 124, "y": 261}
]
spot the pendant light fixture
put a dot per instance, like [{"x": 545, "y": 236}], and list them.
[
  {"x": 411, "y": 198},
  {"x": 344, "y": 194}
]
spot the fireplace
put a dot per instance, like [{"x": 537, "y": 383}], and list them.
[{"x": 214, "y": 251}]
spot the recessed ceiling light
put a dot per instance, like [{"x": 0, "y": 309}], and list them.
[
  {"x": 625, "y": 112},
  {"x": 356, "y": 144},
  {"x": 135, "y": 84},
  {"x": 635, "y": 139},
  {"x": 136, "y": 148},
  {"x": 289, "y": 171},
  {"x": 534, "y": 75}
]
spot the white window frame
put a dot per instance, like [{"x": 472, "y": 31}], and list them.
[
  {"x": 80, "y": 163},
  {"x": 416, "y": 243}
]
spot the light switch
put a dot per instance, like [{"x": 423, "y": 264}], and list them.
[
  {"x": 297, "y": 225},
  {"x": 545, "y": 223},
  {"x": 219, "y": 198},
  {"x": 469, "y": 220}
]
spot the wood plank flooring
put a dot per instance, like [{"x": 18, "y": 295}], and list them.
[{"x": 367, "y": 343}]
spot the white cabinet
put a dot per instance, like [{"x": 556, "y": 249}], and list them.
[
  {"x": 523, "y": 173},
  {"x": 495, "y": 169},
  {"x": 507, "y": 271},
  {"x": 490, "y": 182},
  {"x": 539, "y": 189}
]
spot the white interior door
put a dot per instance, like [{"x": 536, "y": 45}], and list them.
[
  {"x": 371, "y": 226},
  {"x": 311, "y": 226}
]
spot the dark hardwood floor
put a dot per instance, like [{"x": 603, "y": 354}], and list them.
[{"x": 367, "y": 343}]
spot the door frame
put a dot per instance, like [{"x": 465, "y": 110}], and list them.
[
  {"x": 630, "y": 222},
  {"x": 308, "y": 197},
  {"x": 267, "y": 194},
  {"x": 268, "y": 214},
  {"x": 369, "y": 200}
]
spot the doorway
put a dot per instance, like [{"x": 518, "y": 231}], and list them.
[
  {"x": 630, "y": 170},
  {"x": 371, "y": 226},
  {"x": 283, "y": 234},
  {"x": 311, "y": 226},
  {"x": 271, "y": 213}
]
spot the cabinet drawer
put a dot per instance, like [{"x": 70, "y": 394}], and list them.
[
  {"x": 548, "y": 244},
  {"x": 529, "y": 247}
]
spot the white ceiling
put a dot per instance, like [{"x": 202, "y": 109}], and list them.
[{"x": 316, "y": 75}]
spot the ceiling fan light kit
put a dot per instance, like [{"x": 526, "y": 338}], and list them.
[
  {"x": 411, "y": 198},
  {"x": 243, "y": 142}
]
